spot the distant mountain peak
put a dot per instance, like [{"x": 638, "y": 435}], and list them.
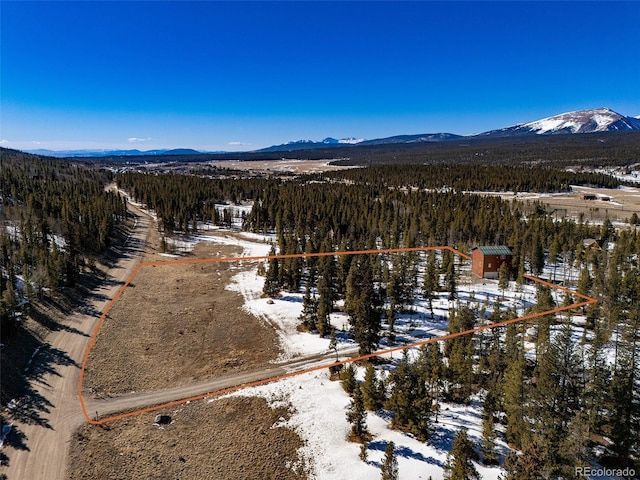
[
  {"x": 579, "y": 121},
  {"x": 350, "y": 141}
]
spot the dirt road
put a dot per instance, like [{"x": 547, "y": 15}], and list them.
[
  {"x": 47, "y": 443},
  {"x": 122, "y": 403}
]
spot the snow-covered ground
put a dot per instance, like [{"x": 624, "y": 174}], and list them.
[
  {"x": 318, "y": 408},
  {"x": 626, "y": 173}
]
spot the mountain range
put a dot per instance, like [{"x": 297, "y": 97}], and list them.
[
  {"x": 576, "y": 122},
  {"x": 113, "y": 153}
]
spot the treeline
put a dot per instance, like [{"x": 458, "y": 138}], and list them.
[
  {"x": 318, "y": 217},
  {"x": 56, "y": 219},
  {"x": 364, "y": 207},
  {"x": 497, "y": 178},
  {"x": 181, "y": 201}
]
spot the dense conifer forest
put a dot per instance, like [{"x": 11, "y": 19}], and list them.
[{"x": 57, "y": 218}]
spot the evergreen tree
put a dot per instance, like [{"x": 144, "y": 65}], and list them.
[
  {"x": 432, "y": 370},
  {"x": 365, "y": 314},
  {"x": 409, "y": 400},
  {"x": 537, "y": 256},
  {"x": 556, "y": 397},
  {"x": 504, "y": 275},
  {"x": 624, "y": 403},
  {"x": 349, "y": 382},
  {"x": 527, "y": 466},
  {"x": 459, "y": 465},
  {"x": 309, "y": 315},
  {"x": 357, "y": 417},
  {"x": 272, "y": 281},
  {"x": 390, "y": 463},
  {"x": 597, "y": 376},
  {"x": 489, "y": 455},
  {"x": 326, "y": 293},
  {"x": 460, "y": 351},
  {"x": 515, "y": 397},
  {"x": 430, "y": 284},
  {"x": 370, "y": 391},
  {"x": 451, "y": 281},
  {"x": 333, "y": 342},
  {"x": 544, "y": 302},
  {"x": 325, "y": 304}
]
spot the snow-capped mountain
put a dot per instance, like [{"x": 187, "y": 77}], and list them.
[
  {"x": 345, "y": 142},
  {"x": 580, "y": 121},
  {"x": 326, "y": 141},
  {"x": 307, "y": 144}
]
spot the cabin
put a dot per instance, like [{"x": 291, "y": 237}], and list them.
[
  {"x": 592, "y": 244},
  {"x": 588, "y": 196},
  {"x": 487, "y": 260}
]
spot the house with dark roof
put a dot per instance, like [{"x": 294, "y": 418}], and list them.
[{"x": 487, "y": 260}]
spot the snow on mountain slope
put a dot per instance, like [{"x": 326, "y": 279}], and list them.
[
  {"x": 351, "y": 140},
  {"x": 580, "y": 121},
  {"x": 583, "y": 121}
]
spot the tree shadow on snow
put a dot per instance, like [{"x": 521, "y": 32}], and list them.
[
  {"x": 291, "y": 298},
  {"x": 404, "y": 452}
]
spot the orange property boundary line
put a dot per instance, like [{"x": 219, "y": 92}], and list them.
[{"x": 585, "y": 301}]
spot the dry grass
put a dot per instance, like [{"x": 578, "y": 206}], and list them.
[
  {"x": 177, "y": 324},
  {"x": 278, "y": 166},
  {"x": 233, "y": 438}
]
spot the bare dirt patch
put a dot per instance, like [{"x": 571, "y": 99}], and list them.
[
  {"x": 232, "y": 438},
  {"x": 177, "y": 324},
  {"x": 280, "y": 166},
  {"x": 621, "y": 203}
]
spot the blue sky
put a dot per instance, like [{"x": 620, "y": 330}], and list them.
[{"x": 244, "y": 75}]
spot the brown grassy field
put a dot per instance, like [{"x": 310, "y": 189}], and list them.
[
  {"x": 278, "y": 166},
  {"x": 232, "y": 438},
  {"x": 176, "y": 324}
]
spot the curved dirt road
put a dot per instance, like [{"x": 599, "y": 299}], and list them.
[{"x": 45, "y": 455}]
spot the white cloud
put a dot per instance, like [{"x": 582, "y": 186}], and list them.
[
  {"x": 137, "y": 140},
  {"x": 235, "y": 144},
  {"x": 4, "y": 142}
]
